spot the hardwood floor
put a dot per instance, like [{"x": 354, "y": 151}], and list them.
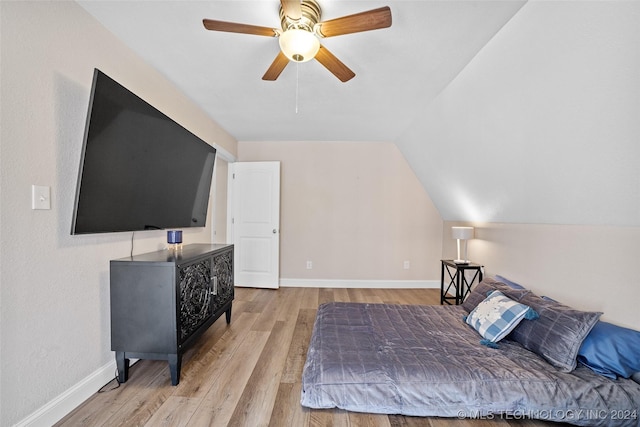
[{"x": 248, "y": 373}]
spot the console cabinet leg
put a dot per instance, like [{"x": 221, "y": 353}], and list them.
[
  {"x": 175, "y": 361},
  {"x": 123, "y": 367},
  {"x": 228, "y": 315}
]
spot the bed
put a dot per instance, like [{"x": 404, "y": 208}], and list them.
[{"x": 428, "y": 361}]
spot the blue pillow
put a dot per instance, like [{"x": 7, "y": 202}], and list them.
[
  {"x": 508, "y": 282},
  {"x": 496, "y": 316},
  {"x": 611, "y": 350}
]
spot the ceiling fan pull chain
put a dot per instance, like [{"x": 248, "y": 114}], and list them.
[{"x": 297, "y": 79}]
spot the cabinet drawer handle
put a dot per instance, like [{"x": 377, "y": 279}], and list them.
[{"x": 215, "y": 285}]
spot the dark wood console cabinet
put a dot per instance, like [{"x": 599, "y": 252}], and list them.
[{"x": 161, "y": 302}]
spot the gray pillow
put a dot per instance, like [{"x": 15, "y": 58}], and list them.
[
  {"x": 636, "y": 377},
  {"x": 480, "y": 291},
  {"x": 557, "y": 334}
]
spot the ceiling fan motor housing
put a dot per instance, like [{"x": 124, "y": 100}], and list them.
[
  {"x": 311, "y": 13},
  {"x": 298, "y": 40}
]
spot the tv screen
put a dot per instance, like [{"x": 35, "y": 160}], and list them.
[{"x": 139, "y": 169}]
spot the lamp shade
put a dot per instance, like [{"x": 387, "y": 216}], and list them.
[
  {"x": 462, "y": 233},
  {"x": 299, "y": 45}
]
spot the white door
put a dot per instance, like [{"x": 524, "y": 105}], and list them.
[{"x": 254, "y": 216}]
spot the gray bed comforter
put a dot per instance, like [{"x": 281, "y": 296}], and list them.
[{"x": 425, "y": 361}]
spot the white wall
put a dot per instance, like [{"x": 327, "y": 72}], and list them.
[
  {"x": 587, "y": 267},
  {"x": 55, "y": 287},
  {"x": 356, "y": 210},
  {"x": 220, "y": 194}
]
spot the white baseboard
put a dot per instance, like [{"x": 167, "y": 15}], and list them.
[
  {"x": 66, "y": 402},
  {"x": 378, "y": 284}
]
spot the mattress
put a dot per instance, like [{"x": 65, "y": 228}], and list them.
[{"x": 425, "y": 361}]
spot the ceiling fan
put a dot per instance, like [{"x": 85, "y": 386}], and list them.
[{"x": 301, "y": 32}]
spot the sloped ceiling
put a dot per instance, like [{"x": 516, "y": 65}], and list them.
[
  {"x": 543, "y": 126},
  {"x": 495, "y": 104},
  {"x": 398, "y": 69}
]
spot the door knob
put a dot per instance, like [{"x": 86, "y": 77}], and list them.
[{"x": 275, "y": 231}]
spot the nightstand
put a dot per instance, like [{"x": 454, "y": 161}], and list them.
[{"x": 458, "y": 279}]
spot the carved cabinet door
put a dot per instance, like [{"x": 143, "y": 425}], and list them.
[{"x": 196, "y": 292}]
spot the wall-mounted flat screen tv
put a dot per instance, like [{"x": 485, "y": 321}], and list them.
[{"x": 139, "y": 169}]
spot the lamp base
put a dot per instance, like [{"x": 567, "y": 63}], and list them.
[{"x": 460, "y": 261}]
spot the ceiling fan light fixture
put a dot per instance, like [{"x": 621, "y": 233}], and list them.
[{"x": 299, "y": 45}]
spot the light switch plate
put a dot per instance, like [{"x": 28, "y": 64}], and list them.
[{"x": 40, "y": 197}]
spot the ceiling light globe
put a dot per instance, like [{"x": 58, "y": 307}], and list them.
[{"x": 299, "y": 45}]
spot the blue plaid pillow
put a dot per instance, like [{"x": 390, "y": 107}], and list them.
[{"x": 498, "y": 315}]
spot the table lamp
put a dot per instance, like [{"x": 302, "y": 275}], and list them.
[{"x": 462, "y": 233}]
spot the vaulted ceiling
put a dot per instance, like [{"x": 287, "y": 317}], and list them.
[
  {"x": 506, "y": 110},
  {"x": 398, "y": 69}
]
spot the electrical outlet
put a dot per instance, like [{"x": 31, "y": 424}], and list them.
[
  {"x": 309, "y": 265},
  {"x": 407, "y": 265}
]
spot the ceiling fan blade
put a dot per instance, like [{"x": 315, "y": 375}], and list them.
[
  {"x": 232, "y": 27},
  {"x": 334, "y": 65},
  {"x": 276, "y": 67},
  {"x": 292, "y": 8},
  {"x": 363, "y": 21}
]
